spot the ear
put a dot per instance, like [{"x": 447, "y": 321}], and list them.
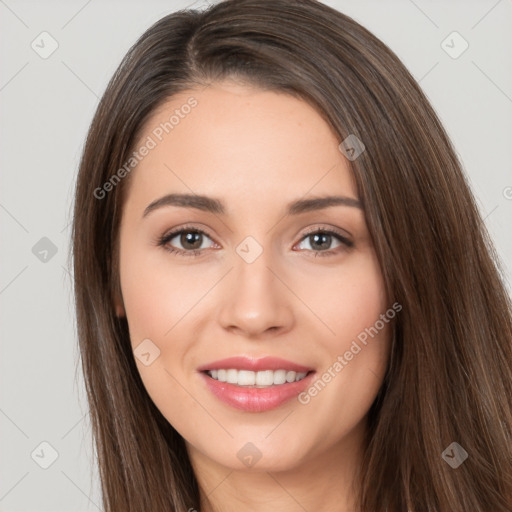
[
  {"x": 118, "y": 305},
  {"x": 120, "y": 310}
]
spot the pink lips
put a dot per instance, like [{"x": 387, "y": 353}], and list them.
[
  {"x": 251, "y": 399},
  {"x": 255, "y": 365}
]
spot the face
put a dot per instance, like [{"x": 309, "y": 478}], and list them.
[{"x": 252, "y": 266}]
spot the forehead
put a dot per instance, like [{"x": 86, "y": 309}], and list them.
[{"x": 236, "y": 141}]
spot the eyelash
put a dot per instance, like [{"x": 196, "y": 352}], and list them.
[{"x": 166, "y": 238}]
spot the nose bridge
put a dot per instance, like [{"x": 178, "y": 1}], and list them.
[
  {"x": 253, "y": 275},
  {"x": 254, "y": 299}
]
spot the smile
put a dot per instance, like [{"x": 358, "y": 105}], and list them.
[{"x": 255, "y": 385}]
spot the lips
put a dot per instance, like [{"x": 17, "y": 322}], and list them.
[
  {"x": 255, "y": 399},
  {"x": 246, "y": 363}
]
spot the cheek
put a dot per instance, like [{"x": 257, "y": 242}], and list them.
[
  {"x": 359, "y": 342},
  {"x": 157, "y": 295},
  {"x": 348, "y": 300},
  {"x": 157, "y": 299}
]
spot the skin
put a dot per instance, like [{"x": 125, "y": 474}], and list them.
[{"x": 256, "y": 151}]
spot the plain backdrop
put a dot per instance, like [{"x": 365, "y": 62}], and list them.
[{"x": 46, "y": 107}]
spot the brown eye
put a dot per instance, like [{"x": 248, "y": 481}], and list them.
[
  {"x": 186, "y": 242},
  {"x": 190, "y": 240},
  {"x": 321, "y": 242}
]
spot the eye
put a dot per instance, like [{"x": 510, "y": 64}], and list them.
[
  {"x": 321, "y": 241},
  {"x": 191, "y": 241}
]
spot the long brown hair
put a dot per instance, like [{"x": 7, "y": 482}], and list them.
[{"x": 449, "y": 377}]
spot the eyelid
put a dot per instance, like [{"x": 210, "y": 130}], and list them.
[
  {"x": 328, "y": 228},
  {"x": 186, "y": 227}
]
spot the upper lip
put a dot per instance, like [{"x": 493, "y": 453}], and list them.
[{"x": 247, "y": 363}]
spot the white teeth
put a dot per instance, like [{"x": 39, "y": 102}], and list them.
[
  {"x": 290, "y": 376},
  {"x": 232, "y": 377},
  {"x": 280, "y": 377},
  {"x": 246, "y": 378},
  {"x": 264, "y": 378}
]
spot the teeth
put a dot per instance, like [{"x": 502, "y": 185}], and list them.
[
  {"x": 290, "y": 376},
  {"x": 279, "y": 377},
  {"x": 263, "y": 378},
  {"x": 232, "y": 377},
  {"x": 245, "y": 378}
]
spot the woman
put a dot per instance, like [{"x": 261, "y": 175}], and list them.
[{"x": 286, "y": 297}]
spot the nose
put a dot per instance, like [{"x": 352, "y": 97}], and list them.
[{"x": 255, "y": 299}]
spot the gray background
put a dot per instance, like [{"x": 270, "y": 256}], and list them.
[{"x": 46, "y": 107}]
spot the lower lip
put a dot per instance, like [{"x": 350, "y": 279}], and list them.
[{"x": 256, "y": 399}]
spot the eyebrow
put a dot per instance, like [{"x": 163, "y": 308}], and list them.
[{"x": 213, "y": 205}]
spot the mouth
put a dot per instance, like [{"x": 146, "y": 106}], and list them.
[{"x": 255, "y": 385}]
